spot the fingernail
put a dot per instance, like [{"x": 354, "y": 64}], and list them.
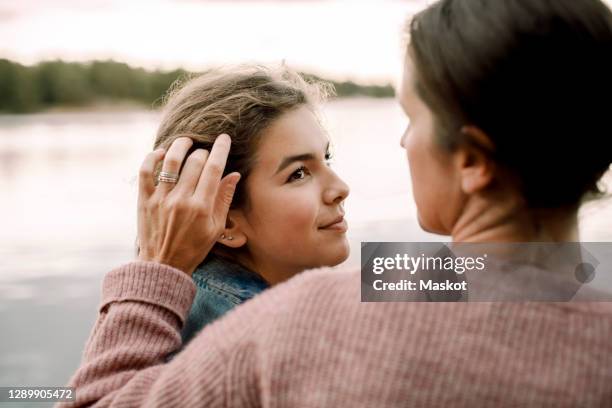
[
  {"x": 186, "y": 138},
  {"x": 237, "y": 179}
]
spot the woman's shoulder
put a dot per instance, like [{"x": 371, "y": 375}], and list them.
[
  {"x": 343, "y": 278},
  {"x": 309, "y": 295}
]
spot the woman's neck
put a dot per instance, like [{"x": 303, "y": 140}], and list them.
[{"x": 505, "y": 218}]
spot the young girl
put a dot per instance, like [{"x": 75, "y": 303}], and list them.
[{"x": 287, "y": 214}]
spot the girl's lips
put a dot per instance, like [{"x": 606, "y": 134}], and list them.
[{"x": 340, "y": 226}]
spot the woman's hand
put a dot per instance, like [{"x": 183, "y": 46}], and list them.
[{"x": 179, "y": 223}]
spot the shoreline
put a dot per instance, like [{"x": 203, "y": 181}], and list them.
[{"x": 127, "y": 105}]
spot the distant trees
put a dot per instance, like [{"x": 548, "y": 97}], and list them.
[
  {"x": 350, "y": 88},
  {"x": 19, "y": 90},
  {"x": 57, "y": 83}
]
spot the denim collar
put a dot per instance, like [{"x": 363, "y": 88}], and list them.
[{"x": 230, "y": 277}]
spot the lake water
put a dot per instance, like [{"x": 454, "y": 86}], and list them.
[{"x": 68, "y": 185}]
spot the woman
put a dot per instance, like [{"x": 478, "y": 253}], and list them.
[
  {"x": 502, "y": 96},
  {"x": 287, "y": 214}
]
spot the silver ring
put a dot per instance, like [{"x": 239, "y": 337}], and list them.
[{"x": 167, "y": 177}]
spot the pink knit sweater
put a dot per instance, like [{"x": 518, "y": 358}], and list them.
[{"x": 310, "y": 342}]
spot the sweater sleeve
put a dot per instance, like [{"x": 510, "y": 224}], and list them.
[{"x": 143, "y": 308}]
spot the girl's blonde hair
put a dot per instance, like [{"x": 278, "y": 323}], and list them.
[{"x": 241, "y": 101}]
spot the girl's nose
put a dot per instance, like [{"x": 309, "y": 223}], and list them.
[{"x": 336, "y": 191}]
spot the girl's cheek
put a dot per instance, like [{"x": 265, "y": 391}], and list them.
[{"x": 288, "y": 207}]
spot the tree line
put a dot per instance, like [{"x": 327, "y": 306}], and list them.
[{"x": 49, "y": 84}]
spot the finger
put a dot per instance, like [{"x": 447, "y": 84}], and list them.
[
  {"x": 173, "y": 160},
  {"x": 227, "y": 188},
  {"x": 213, "y": 170},
  {"x": 191, "y": 173},
  {"x": 146, "y": 181}
]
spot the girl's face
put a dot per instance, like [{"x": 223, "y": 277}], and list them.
[{"x": 294, "y": 217}]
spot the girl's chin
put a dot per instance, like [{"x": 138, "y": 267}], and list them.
[
  {"x": 340, "y": 255},
  {"x": 330, "y": 254}
]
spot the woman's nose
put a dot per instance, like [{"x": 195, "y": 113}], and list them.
[
  {"x": 336, "y": 191},
  {"x": 403, "y": 138}
]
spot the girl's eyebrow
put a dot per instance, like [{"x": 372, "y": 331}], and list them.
[
  {"x": 290, "y": 159},
  {"x": 298, "y": 157}
]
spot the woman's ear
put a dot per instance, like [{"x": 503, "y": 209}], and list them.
[
  {"x": 476, "y": 166},
  {"x": 233, "y": 235}
]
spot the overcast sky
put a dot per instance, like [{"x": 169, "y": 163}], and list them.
[{"x": 339, "y": 39}]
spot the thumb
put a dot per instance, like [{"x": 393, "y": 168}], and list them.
[{"x": 226, "y": 191}]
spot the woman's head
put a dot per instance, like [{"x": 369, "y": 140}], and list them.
[
  {"x": 275, "y": 218},
  {"x": 518, "y": 87}
]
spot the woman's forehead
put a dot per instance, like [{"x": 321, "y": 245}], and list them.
[{"x": 406, "y": 94}]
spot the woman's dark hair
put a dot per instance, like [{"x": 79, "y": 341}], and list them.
[{"x": 534, "y": 75}]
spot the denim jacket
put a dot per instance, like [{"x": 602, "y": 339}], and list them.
[{"x": 220, "y": 286}]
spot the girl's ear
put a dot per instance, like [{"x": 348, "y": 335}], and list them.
[{"x": 233, "y": 235}]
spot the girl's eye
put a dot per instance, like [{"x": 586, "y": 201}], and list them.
[
  {"x": 299, "y": 174},
  {"x": 329, "y": 158}
]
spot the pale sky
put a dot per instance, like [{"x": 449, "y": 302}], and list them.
[{"x": 338, "y": 39}]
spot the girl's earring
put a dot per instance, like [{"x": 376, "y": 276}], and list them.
[
  {"x": 230, "y": 238},
  {"x": 222, "y": 236}
]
